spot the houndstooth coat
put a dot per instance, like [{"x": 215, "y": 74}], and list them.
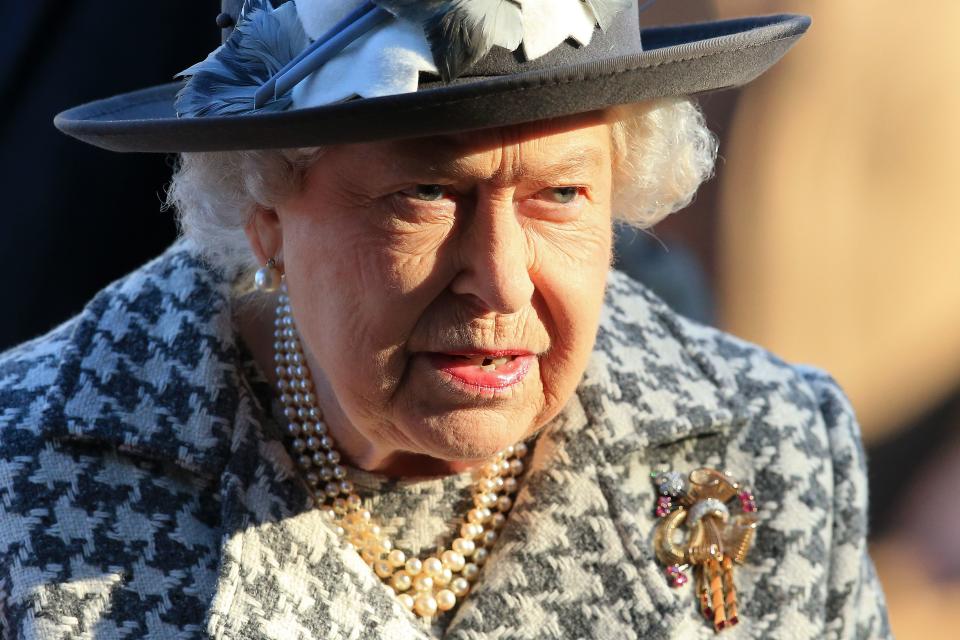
[{"x": 141, "y": 495}]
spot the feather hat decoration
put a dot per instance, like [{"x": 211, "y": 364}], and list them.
[
  {"x": 461, "y": 32},
  {"x": 466, "y": 32},
  {"x": 606, "y": 10},
  {"x": 270, "y": 49},
  {"x": 263, "y": 42}
]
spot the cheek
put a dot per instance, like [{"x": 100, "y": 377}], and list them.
[
  {"x": 570, "y": 262},
  {"x": 573, "y": 301},
  {"x": 570, "y": 275},
  {"x": 358, "y": 290}
]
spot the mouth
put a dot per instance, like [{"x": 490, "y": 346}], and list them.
[{"x": 485, "y": 370}]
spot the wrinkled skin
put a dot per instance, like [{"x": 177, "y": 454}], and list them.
[{"x": 495, "y": 240}]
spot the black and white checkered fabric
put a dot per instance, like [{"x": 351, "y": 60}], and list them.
[{"x": 144, "y": 493}]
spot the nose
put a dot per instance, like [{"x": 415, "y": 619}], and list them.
[{"x": 494, "y": 258}]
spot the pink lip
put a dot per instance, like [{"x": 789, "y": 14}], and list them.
[
  {"x": 502, "y": 377},
  {"x": 488, "y": 353}
]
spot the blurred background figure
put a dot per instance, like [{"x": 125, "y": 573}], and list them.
[{"x": 833, "y": 238}]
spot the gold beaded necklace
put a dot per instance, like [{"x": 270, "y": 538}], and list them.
[{"x": 426, "y": 586}]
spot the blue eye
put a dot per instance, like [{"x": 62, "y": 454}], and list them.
[
  {"x": 427, "y": 192},
  {"x": 561, "y": 195}
]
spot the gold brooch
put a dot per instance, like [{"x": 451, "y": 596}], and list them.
[{"x": 715, "y": 539}]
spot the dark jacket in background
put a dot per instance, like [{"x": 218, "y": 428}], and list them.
[{"x": 74, "y": 217}]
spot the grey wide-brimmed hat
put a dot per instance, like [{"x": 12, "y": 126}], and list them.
[{"x": 316, "y": 72}]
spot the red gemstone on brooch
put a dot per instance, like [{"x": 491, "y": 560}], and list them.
[
  {"x": 676, "y": 576},
  {"x": 747, "y": 502},
  {"x": 664, "y": 505}
]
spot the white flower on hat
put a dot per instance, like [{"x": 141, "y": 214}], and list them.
[
  {"x": 547, "y": 23},
  {"x": 386, "y": 62}
]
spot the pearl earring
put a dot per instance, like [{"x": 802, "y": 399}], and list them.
[{"x": 267, "y": 278}]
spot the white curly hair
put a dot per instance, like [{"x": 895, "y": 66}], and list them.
[{"x": 662, "y": 148}]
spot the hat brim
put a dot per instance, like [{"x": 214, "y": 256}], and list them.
[{"x": 676, "y": 61}]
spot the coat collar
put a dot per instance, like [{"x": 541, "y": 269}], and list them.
[
  {"x": 655, "y": 377},
  {"x": 151, "y": 366}
]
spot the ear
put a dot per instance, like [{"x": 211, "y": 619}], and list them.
[{"x": 265, "y": 235}]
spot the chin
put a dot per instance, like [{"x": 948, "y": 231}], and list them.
[{"x": 469, "y": 434}]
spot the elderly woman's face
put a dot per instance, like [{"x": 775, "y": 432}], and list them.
[{"x": 448, "y": 289}]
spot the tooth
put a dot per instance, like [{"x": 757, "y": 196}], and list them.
[{"x": 500, "y": 361}]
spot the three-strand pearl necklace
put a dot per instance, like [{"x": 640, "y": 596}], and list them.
[{"x": 426, "y": 586}]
